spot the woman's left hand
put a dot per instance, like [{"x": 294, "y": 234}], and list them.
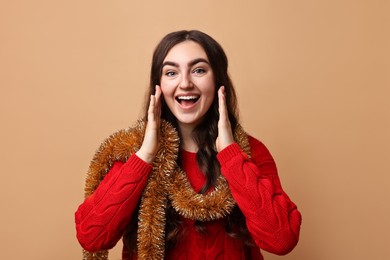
[{"x": 225, "y": 135}]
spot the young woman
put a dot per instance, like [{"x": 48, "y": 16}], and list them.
[{"x": 186, "y": 182}]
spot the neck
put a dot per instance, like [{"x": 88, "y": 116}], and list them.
[{"x": 187, "y": 142}]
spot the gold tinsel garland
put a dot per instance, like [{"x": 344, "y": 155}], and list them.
[{"x": 167, "y": 181}]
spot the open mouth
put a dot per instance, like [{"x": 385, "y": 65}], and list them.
[{"x": 187, "y": 100}]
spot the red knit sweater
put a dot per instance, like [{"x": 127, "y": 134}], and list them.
[{"x": 271, "y": 217}]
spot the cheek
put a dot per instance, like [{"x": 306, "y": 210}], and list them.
[
  {"x": 167, "y": 96},
  {"x": 208, "y": 84},
  {"x": 167, "y": 86},
  {"x": 165, "y": 89},
  {"x": 210, "y": 93},
  {"x": 210, "y": 90}
]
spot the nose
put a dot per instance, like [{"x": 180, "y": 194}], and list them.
[{"x": 186, "y": 82}]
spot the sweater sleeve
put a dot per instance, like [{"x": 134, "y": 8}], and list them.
[
  {"x": 102, "y": 218},
  {"x": 271, "y": 217}
]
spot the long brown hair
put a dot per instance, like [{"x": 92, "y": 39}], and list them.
[{"x": 206, "y": 132}]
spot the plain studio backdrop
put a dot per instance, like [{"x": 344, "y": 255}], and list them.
[{"x": 313, "y": 82}]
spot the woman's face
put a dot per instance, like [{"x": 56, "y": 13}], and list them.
[{"x": 187, "y": 83}]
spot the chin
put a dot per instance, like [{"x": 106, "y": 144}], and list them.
[{"x": 188, "y": 121}]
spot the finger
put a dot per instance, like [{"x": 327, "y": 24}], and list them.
[
  {"x": 158, "y": 100},
  {"x": 222, "y": 103},
  {"x": 151, "y": 108},
  {"x": 158, "y": 92}
]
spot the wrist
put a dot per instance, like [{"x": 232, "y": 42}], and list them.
[{"x": 146, "y": 157}]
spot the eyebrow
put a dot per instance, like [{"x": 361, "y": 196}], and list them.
[{"x": 191, "y": 63}]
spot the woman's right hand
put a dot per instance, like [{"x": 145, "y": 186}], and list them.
[{"x": 150, "y": 144}]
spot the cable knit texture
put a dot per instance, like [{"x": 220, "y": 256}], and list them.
[{"x": 272, "y": 218}]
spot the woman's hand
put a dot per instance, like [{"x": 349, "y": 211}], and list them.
[
  {"x": 225, "y": 135},
  {"x": 150, "y": 144}
]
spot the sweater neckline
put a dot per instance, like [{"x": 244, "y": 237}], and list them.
[
  {"x": 187, "y": 156},
  {"x": 187, "y": 152}
]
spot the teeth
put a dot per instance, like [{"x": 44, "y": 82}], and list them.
[{"x": 187, "y": 97}]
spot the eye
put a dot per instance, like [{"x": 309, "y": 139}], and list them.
[
  {"x": 199, "y": 71},
  {"x": 170, "y": 73}
]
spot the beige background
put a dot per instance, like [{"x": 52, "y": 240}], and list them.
[{"x": 313, "y": 81}]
